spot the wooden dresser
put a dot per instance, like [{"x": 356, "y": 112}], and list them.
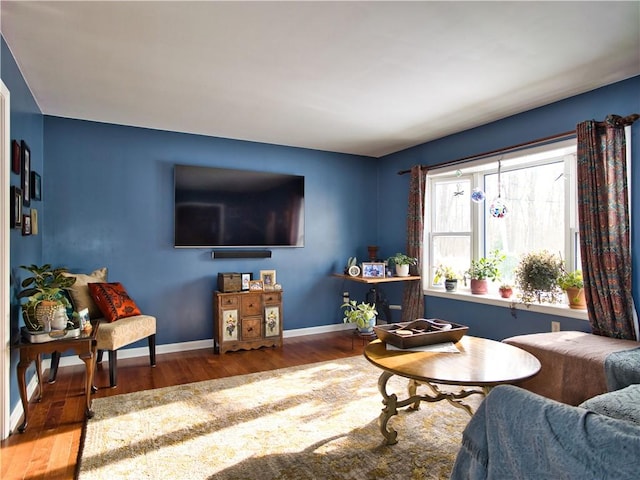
[{"x": 247, "y": 320}]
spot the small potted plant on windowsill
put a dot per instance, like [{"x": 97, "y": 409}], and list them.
[
  {"x": 505, "y": 290},
  {"x": 402, "y": 263},
  {"x": 537, "y": 277},
  {"x": 486, "y": 268},
  {"x": 450, "y": 278},
  {"x": 362, "y": 314},
  {"x": 573, "y": 284}
]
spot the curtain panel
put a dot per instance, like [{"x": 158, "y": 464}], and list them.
[
  {"x": 412, "y": 298},
  {"x": 603, "y": 210}
]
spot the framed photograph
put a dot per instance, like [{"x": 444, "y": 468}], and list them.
[
  {"x": 372, "y": 270},
  {"x": 272, "y": 321},
  {"x": 255, "y": 285},
  {"x": 26, "y": 174},
  {"x": 36, "y": 186},
  {"x": 268, "y": 278},
  {"x": 34, "y": 221},
  {"x": 16, "y": 157},
  {"x": 16, "y": 207},
  {"x": 83, "y": 318},
  {"x": 26, "y": 224},
  {"x": 245, "y": 278}
]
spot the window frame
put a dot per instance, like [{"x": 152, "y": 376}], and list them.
[{"x": 476, "y": 169}]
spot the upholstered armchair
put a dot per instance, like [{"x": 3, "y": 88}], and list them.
[{"x": 121, "y": 321}]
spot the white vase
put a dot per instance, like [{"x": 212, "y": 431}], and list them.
[{"x": 402, "y": 270}]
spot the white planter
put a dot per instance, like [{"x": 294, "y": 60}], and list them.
[{"x": 402, "y": 270}]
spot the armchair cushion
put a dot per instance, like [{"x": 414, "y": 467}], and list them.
[
  {"x": 79, "y": 291},
  {"x": 622, "y": 404},
  {"x": 113, "y": 300},
  {"x": 112, "y": 336}
]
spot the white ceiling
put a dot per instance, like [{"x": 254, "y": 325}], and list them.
[{"x": 368, "y": 78}]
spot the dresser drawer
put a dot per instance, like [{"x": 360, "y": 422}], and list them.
[
  {"x": 272, "y": 298},
  {"x": 228, "y": 301},
  {"x": 251, "y": 328},
  {"x": 251, "y": 304}
]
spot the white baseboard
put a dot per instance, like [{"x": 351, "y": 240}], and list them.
[{"x": 70, "y": 360}]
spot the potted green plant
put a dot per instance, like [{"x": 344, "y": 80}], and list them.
[
  {"x": 46, "y": 304},
  {"x": 537, "y": 276},
  {"x": 402, "y": 263},
  {"x": 573, "y": 284},
  {"x": 486, "y": 268},
  {"x": 450, "y": 277},
  {"x": 362, "y": 314},
  {"x": 506, "y": 290}
]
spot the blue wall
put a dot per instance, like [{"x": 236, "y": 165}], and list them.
[
  {"x": 108, "y": 200},
  {"x": 622, "y": 98},
  {"x": 26, "y": 124}
]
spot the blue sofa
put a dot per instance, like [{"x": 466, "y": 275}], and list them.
[{"x": 518, "y": 434}]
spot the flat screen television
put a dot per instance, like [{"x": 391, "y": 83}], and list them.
[{"x": 223, "y": 207}]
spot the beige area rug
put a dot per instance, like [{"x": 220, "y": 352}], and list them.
[{"x": 316, "y": 421}]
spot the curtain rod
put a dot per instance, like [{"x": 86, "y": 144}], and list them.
[
  {"x": 625, "y": 121},
  {"x": 493, "y": 152}
]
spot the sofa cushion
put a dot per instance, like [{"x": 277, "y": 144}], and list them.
[
  {"x": 622, "y": 404},
  {"x": 113, "y": 300},
  {"x": 79, "y": 291}
]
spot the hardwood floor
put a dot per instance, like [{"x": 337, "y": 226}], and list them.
[{"x": 49, "y": 447}]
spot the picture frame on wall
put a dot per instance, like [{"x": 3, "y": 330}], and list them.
[
  {"x": 16, "y": 207},
  {"x": 34, "y": 221},
  {"x": 16, "y": 157},
  {"x": 245, "y": 279},
  {"x": 26, "y": 173},
  {"x": 373, "y": 270},
  {"x": 36, "y": 186},
  {"x": 26, "y": 225}
]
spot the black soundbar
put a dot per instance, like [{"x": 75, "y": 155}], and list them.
[{"x": 241, "y": 254}]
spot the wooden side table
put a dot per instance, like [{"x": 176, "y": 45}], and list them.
[{"x": 84, "y": 346}]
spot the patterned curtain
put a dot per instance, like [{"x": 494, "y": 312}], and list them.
[
  {"x": 413, "y": 299},
  {"x": 604, "y": 227}
]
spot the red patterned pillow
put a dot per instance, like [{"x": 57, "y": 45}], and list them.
[{"x": 113, "y": 300}]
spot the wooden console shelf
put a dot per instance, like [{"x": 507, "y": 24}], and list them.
[
  {"x": 378, "y": 298},
  {"x": 247, "y": 320},
  {"x": 377, "y": 280}
]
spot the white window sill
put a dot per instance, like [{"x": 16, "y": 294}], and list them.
[{"x": 465, "y": 295}]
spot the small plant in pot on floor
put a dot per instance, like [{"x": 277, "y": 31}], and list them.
[{"x": 362, "y": 314}]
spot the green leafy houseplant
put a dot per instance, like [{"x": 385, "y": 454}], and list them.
[
  {"x": 446, "y": 272},
  {"x": 571, "y": 280},
  {"x": 402, "y": 259},
  {"x": 45, "y": 286},
  {"x": 537, "y": 277},
  {"x": 359, "y": 313},
  {"x": 573, "y": 284},
  {"x": 486, "y": 268}
]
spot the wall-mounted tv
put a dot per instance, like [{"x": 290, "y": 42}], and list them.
[{"x": 223, "y": 207}]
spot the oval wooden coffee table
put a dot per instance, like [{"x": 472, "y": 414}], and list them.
[{"x": 480, "y": 363}]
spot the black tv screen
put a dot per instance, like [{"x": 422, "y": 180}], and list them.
[{"x": 222, "y": 207}]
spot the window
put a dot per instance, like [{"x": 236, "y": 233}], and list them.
[{"x": 538, "y": 188}]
